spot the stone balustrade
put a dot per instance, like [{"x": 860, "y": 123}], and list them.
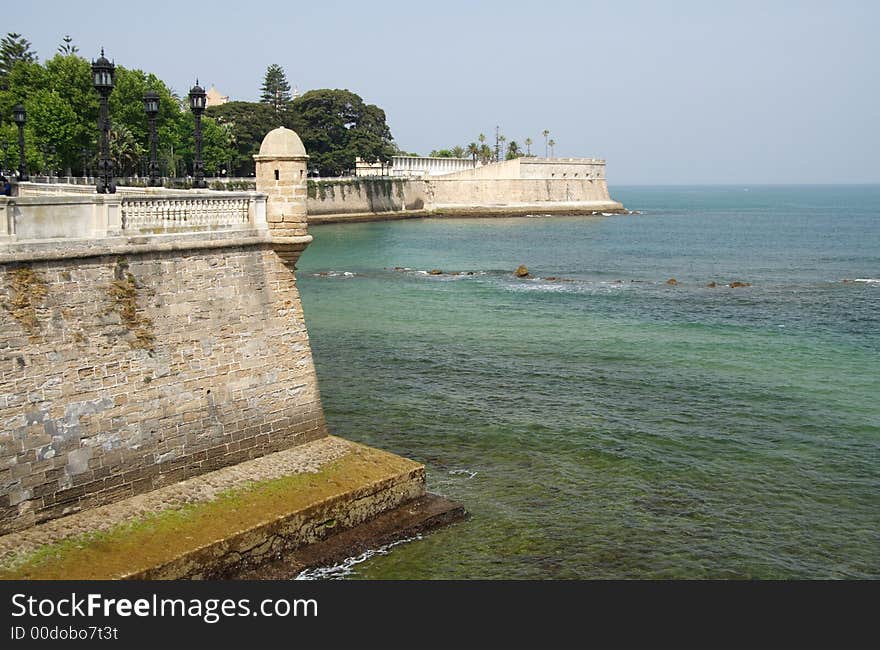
[
  {"x": 187, "y": 211},
  {"x": 95, "y": 216}
]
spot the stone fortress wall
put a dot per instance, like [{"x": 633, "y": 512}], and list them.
[
  {"x": 149, "y": 339},
  {"x": 519, "y": 186}
]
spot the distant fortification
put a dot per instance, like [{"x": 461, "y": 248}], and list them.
[{"x": 519, "y": 186}]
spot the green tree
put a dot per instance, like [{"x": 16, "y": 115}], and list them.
[
  {"x": 275, "y": 90},
  {"x": 513, "y": 150},
  {"x": 336, "y": 126},
  {"x": 546, "y": 133},
  {"x": 473, "y": 151},
  {"x": 67, "y": 47},
  {"x": 528, "y": 142},
  {"x": 457, "y": 152},
  {"x": 125, "y": 150},
  {"x": 14, "y": 48},
  {"x": 248, "y": 124},
  {"x": 551, "y": 144}
]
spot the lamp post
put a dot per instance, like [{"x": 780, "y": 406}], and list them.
[
  {"x": 197, "y": 102},
  {"x": 20, "y": 117},
  {"x": 103, "y": 76},
  {"x": 84, "y": 153},
  {"x": 151, "y": 108},
  {"x": 6, "y": 156}
]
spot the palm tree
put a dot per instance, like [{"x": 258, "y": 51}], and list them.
[
  {"x": 486, "y": 154},
  {"x": 501, "y": 140},
  {"x": 474, "y": 151},
  {"x": 458, "y": 152},
  {"x": 552, "y": 144},
  {"x": 545, "y": 133},
  {"x": 528, "y": 146},
  {"x": 513, "y": 150}
]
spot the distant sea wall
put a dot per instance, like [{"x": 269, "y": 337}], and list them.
[
  {"x": 521, "y": 186},
  {"x": 365, "y": 199}
]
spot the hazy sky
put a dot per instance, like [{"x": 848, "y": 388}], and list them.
[{"x": 667, "y": 92}]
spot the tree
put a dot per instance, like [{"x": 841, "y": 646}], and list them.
[
  {"x": 67, "y": 47},
  {"x": 513, "y": 150},
  {"x": 528, "y": 146},
  {"x": 486, "y": 154},
  {"x": 473, "y": 151},
  {"x": 275, "y": 90},
  {"x": 14, "y": 48},
  {"x": 247, "y": 124},
  {"x": 457, "y": 152},
  {"x": 124, "y": 150},
  {"x": 552, "y": 144},
  {"x": 336, "y": 126},
  {"x": 501, "y": 140},
  {"x": 546, "y": 133}
]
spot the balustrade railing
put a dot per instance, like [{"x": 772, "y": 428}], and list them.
[{"x": 176, "y": 212}]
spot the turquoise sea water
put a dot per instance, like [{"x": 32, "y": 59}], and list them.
[{"x": 611, "y": 425}]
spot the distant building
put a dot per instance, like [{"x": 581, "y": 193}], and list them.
[
  {"x": 414, "y": 166},
  {"x": 214, "y": 98}
]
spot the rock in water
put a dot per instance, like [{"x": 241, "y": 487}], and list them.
[
  {"x": 736, "y": 285},
  {"x": 435, "y": 272},
  {"x": 672, "y": 282},
  {"x": 522, "y": 271},
  {"x": 711, "y": 285}
]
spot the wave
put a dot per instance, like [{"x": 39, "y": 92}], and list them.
[
  {"x": 334, "y": 274},
  {"x": 346, "y": 567}
]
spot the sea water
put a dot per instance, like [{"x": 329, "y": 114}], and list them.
[{"x": 608, "y": 423}]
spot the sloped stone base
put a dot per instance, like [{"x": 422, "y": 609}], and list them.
[{"x": 222, "y": 524}]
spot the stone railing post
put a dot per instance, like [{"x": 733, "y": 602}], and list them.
[
  {"x": 6, "y": 222},
  {"x": 108, "y": 215},
  {"x": 257, "y": 211}
]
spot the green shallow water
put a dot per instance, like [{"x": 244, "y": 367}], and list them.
[{"x": 613, "y": 426}]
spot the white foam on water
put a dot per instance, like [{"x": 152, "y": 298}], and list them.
[
  {"x": 462, "y": 472},
  {"x": 867, "y": 280},
  {"x": 346, "y": 567}
]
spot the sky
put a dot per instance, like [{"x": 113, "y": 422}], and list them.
[{"x": 668, "y": 92}]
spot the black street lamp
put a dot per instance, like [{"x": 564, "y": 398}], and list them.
[
  {"x": 197, "y": 103},
  {"x": 20, "y": 117},
  {"x": 151, "y": 108},
  {"x": 103, "y": 76},
  {"x": 84, "y": 153}
]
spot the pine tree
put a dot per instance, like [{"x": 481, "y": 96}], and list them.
[
  {"x": 276, "y": 89},
  {"x": 67, "y": 47},
  {"x": 14, "y": 48}
]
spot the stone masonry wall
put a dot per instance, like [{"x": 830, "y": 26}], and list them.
[
  {"x": 120, "y": 374},
  {"x": 366, "y": 196}
]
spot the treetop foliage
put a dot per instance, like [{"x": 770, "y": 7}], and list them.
[{"x": 336, "y": 126}]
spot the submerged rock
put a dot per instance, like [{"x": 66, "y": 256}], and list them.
[
  {"x": 711, "y": 285},
  {"x": 672, "y": 282},
  {"x": 736, "y": 285},
  {"x": 522, "y": 271},
  {"x": 435, "y": 272}
]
